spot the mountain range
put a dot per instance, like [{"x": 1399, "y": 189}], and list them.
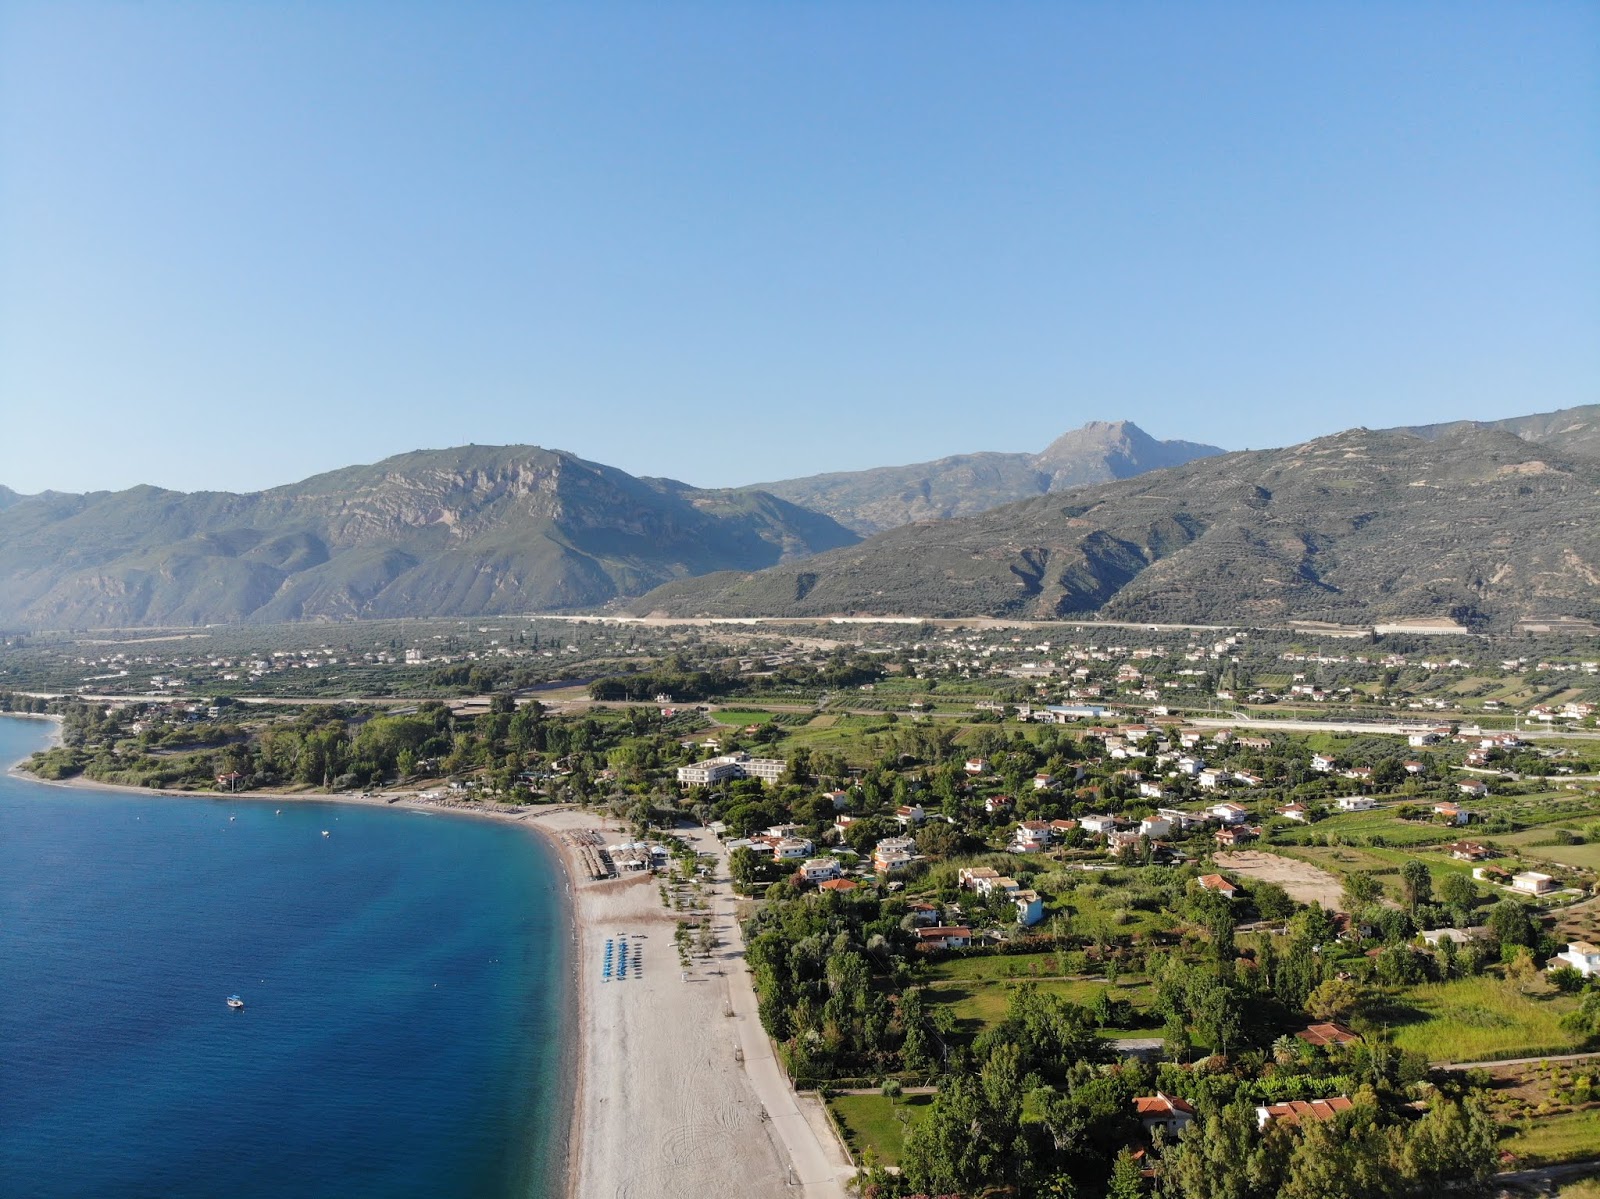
[
  {"x": 443, "y": 532},
  {"x": 1469, "y": 520},
  {"x": 1572, "y": 430},
  {"x": 1490, "y": 522},
  {"x": 870, "y": 501}
]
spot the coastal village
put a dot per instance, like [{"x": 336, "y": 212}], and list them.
[{"x": 1040, "y": 916}]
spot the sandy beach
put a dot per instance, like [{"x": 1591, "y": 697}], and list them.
[{"x": 677, "y": 1090}]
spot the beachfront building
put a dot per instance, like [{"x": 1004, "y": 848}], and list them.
[{"x": 731, "y": 766}]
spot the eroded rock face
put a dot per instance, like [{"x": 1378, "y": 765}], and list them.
[{"x": 450, "y": 532}]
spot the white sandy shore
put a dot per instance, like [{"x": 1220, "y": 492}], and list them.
[{"x": 677, "y": 1091}]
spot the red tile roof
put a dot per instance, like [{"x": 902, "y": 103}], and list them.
[
  {"x": 1317, "y": 1109},
  {"x": 1330, "y": 1033},
  {"x": 1161, "y": 1105}
]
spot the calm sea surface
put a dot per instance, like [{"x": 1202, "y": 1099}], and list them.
[{"x": 405, "y": 981}]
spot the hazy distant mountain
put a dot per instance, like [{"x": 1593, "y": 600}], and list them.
[
  {"x": 885, "y": 497},
  {"x": 1476, "y": 523},
  {"x": 438, "y": 532},
  {"x": 9, "y": 497},
  {"x": 1567, "y": 430}
]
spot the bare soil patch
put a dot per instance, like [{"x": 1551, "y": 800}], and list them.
[{"x": 1304, "y": 882}]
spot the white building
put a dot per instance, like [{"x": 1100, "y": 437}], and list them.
[
  {"x": 892, "y": 853},
  {"x": 820, "y": 870},
  {"x": 1532, "y": 882},
  {"x": 1033, "y": 834},
  {"x": 793, "y": 849},
  {"x": 1581, "y": 956},
  {"x": 1030, "y": 908},
  {"x": 1230, "y": 813},
  {"x": 1155, "y": 826},
  {"x": 1355, "y": 803},
  {"x": 731, "y": 766}
]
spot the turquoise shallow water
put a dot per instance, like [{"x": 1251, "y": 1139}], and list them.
[{"x": 406, "y": 989}]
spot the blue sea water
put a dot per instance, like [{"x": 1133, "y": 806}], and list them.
[{"x": 406, "y": 981}]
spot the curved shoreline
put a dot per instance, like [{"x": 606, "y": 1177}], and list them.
[
  {"x": 674, "y": 1091},
  {"x": 565, "y": 1148}
]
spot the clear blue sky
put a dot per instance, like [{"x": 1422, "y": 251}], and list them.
[{"x": 243, "y": 242}]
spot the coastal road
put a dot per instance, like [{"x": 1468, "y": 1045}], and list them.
[{"x": 819, "y": 1164}]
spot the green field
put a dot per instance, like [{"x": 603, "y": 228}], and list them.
[
  {"x": 981, "y": 1001},
  {"x": 1570, "y": 1136},
  {"x": 741, "y": 716},
  {"x": 878, "y": 1124},
  {"x": 1476, "y": 1019},
  {"x": 1527, "y": 844}
]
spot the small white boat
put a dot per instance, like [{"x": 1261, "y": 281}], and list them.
[
  {"x": 235, "y": 1003},
  {"x": 326, "y": 833}
]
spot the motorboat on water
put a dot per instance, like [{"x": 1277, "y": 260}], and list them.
[
  {"x": 235, "y": 1003},
  {"x": 326, "y": 833}
]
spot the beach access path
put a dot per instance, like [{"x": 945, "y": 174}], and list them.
[{"x": 679, "y": 1094}]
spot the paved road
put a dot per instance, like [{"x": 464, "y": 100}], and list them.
[{"x": 818, "y": 1162}]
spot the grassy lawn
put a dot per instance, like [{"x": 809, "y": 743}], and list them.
[
  {"x": 1526, "y": 844},
  {"x": 1570, "y": 1136},
  {"x": 1476, "y": 1019},
  {"x": 741, "y": 716},
  {"x": 978, "y": 1004},
  {"x": 874, "y": 1122},
  {"x": 1388, "y": 826}
]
